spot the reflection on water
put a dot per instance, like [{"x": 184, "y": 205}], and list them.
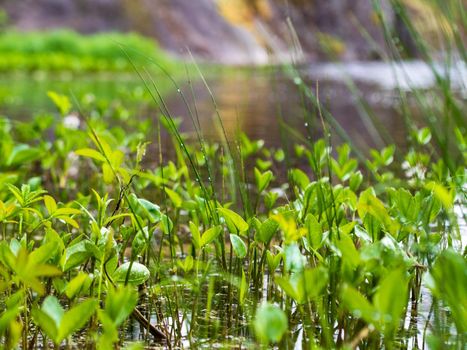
[{"x": 257, "y": 102}]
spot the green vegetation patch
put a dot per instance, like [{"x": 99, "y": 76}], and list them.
[
  {"x": 65, "y": 50},
  {"x": 219, "y": 246}
]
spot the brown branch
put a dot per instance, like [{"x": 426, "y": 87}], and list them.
[{"x": 156, "y": 333}]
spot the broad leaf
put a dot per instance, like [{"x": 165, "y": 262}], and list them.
[
  {"x": 238, "y": 246},
  {"x": 210, "y": 235},
  {"x": 137, "y": 273},
  {"x": 76, "y": 318},
  {"x": 233, "y": 219},
  {"x": 270, "y": 323}
]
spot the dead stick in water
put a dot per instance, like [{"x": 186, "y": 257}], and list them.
[
  {"x": 143, "y": 321},
  {"x": 156, "y": 333}
]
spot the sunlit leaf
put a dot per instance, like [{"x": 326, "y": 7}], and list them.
[
  {"x": 50, "y": 204},
  {"x": 174, "y": 197},
  {"x": 210, "y": 235},
  {"x": 90, "y": 153},
  {"x": 234, "y": 219},
  {"x": 76, "y": 284}
]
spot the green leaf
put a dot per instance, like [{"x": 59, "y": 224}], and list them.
[
  {"x": 62, "y": 102},
  {"x": 174, "y": 197},
  {"x": 7, "y": 256},
  {"x": 314, "y": 231},
  {"x": 243, "y": 288},
  {"x": 299, "y": 178},
  {"x": 368, "y": 203},
  {"x": 262, "y": 179},
  {"x": 76, "y": 318},
  {"x": 145, "y": 208},
  {"x": 187, "y": 264},
  {"x": 50, "y": 204},
  {"x": 116, "y": 158},
  {"x": 139, "y": 242},
  {"x": 77, "y": 284},
  {"x": 90, "y": 153},
  {"x": 196, "y": 237},
  {"x": 69, "y": 221},
  {"x": 75, "y": 255},
  {"x": 279, "y": 155},
  {"x": 43, "y": 270},
  {"x": 107, "y": 173},
  {"x": 294, "y": 259},
  {"x": 102, "y": 145},
  {"x": 66, "y": 211},
  {"x": 210, "y": 235},
  {"x": 292, "y": 290},
  {"x": 43, "y": 253},
  {"x": 448, "y": 281},
  {"x": 355, "y": 180},
  {"x": 166, "y": 224},
  {"x": 273, "y": 260},
  {"x": 45, "y": 322},
  {"x": 51, "y": 306},
  {"x": 446, "y": 197},
  {"x": 21, "y": 154},
  {"x": 109, "y": 335},
  {"x": 233, "y": 219},
  {"x": 315, "y": 281},
  {"x": 137, "y": 275},
  {"x": 358, "y": 304},
  {"x": 423, "y": 136},
  {"x": 270, "y": 323},
  {"x": 120, "y": 303},
  {"x": 267, "y": 230},
  {"x": 7, "y": 317},
  {"x": 349, "y": 252},
  {"x": 391, "y": 298},
  {"x": 238, "y": 246}
]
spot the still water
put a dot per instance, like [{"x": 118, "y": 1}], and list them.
[{"x": 363, "y": 97}]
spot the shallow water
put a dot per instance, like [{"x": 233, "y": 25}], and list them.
[
  {"x": 256, "y": 101},
  {"x": 251, "y": 100}
]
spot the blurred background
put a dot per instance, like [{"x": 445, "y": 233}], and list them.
[
  {"x": 231, "y": 31},
  {"x": 261, "y": 59}
]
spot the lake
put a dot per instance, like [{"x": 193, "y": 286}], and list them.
[{"x": 363, "y": 97}]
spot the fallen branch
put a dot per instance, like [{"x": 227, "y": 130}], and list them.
[{"x": 143, "y": 321}]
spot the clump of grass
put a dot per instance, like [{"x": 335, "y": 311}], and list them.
[{"x": 65, "y": 50}]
